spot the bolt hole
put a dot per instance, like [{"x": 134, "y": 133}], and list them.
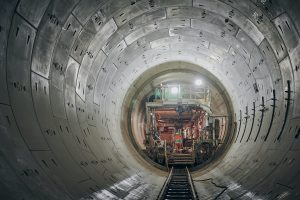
[
  {"x": 17, "y": 31},
  {"x": 298, "y": 133},
  {"x": 287, "y": 25},
  {"x": 53, "y": 162},
  {"x": 28, "y": 39},
  {"x": 7, "y": 119},
  {"x": 26, "y": 173},
  {"x": 44, "y": 162},
  {"x": 280, "y": 29}
]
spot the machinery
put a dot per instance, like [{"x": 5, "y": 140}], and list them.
[{"x": 180, "y": 127}]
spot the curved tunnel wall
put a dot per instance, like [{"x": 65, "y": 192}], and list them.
[{"x": 66, "y": 67}]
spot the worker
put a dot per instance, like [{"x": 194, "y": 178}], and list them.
[{"x": 178, "y": 142}]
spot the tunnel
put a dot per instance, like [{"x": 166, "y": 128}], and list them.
[{"x": 74, "y": 73}]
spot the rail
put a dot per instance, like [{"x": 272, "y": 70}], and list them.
[
  {"x": 163, "y": 189},
  {"x": 191, "y": 184},
  {"x": 178, "y": 185}
]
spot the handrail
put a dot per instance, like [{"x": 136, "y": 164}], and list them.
[
  {"x": 191, "y": 184},
  {"x": 166, "y": 156},
  {"x": 162, "y": 191}
]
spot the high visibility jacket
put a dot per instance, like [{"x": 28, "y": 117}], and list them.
[{"x": 178, "y": 138}]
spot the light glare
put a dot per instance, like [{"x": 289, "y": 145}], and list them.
[
  {"x": 174, "y": 90},
  {"x": 198, "y": 82}
]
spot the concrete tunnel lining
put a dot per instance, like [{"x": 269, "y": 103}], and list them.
[{"x": 66, "y": 67}]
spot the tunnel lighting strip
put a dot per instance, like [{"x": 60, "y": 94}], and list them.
[
  {"x": 246, "y": 117},
  {"x": 273, "y": 114},
  {"x": 288, "y": 99},
  {"x": 234, "y": 130},
  {"x": 262, "y": 110},
  {"x": 239, "y": 126},
  {"x": 253, "y": 119}
]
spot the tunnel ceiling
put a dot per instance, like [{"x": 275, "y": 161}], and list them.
[{"x": 66, "y": 67}]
